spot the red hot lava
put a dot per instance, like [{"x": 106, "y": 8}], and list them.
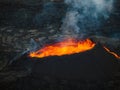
[
  {"x": 65, "y": 47},
  {"x": 111, "y": 52}
]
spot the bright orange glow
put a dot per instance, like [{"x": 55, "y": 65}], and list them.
[
  {"x": 66, "y": 47},
  {"x": 113, "y": 53}
]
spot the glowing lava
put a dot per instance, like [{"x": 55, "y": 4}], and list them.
[
  {"x": 113, "y": 53},
  {"x": 66, "y": 47}
]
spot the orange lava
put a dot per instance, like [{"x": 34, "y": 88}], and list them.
[
  {"x": 65, "y": 47},
  {"x": 113, "y": 53}
]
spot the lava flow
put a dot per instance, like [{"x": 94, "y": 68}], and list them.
[
  {"x": 113, "y": 53},
  {"x": 65, "y": 47}
]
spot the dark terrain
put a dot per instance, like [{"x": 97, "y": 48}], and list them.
[{"x": 21, "y": 27}]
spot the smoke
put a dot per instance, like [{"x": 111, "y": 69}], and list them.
[{"x": 85, "y": 16}]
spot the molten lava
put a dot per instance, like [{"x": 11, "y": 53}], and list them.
[
  {"x": 66, "y": 47},
  {"x": 113, "y": 53}
]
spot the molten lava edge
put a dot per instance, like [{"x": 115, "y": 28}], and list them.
[
  {"x": 65, "y": 47},
  {"x": 111, "y": 52}
]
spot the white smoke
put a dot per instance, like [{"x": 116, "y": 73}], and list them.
[
  {"x": 84, "y": 16},
  {"x": 70, "y": 22}
]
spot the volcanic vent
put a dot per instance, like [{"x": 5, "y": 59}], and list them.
[{"x": 90, "y": 61}]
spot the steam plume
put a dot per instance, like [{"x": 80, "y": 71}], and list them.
[{"x": 85, "y": 16}]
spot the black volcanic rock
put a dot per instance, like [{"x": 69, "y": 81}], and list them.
[
  {"x": 27, "y": 73},
  {"x": 96, "y": 64}
]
